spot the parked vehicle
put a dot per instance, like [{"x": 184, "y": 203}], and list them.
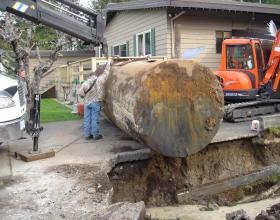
[{"x": 12, "y": 108}]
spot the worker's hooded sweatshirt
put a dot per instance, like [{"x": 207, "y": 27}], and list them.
[{"x": 97, "y": 92}]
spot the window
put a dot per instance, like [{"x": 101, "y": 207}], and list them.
[
  {"x": 117, "y": 50},
  {"x": 143, "y": 42},
  {"x": 120, "y": 50},
  {"x": 220, "y": 36},
  {"x": 240, "y": 57},
  {"x": 259, "y": 56}
]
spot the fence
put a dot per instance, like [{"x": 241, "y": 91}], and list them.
[{"x": 68, "y": 78}]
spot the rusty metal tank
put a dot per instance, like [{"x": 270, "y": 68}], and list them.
[{"x": 174, "y": 107}]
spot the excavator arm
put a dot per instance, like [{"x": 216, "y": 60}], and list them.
[
  {"x": 273, "y": 71},
  {"x": 61, "y": 15}
]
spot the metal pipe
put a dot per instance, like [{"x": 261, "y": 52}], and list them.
[
  {"x": 36, "y": 122},
  {"x": 78, "y": 7},
  {"x": 173, "y": 34},
  {"x": 67, "y": 11}
]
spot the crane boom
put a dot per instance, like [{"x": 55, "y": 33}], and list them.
[{"x": 61, "y": 15}]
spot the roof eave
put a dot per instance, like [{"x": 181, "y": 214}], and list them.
[
  {"x": 225, "y": 6},
  {"x": 199, "y": 4}
]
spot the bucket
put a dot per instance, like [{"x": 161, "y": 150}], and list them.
[
  {"x": 74, "y": 109},
  {"x": 81, "y": 109}
]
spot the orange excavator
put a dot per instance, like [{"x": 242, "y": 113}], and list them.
[{"x": 250, "y": 85}]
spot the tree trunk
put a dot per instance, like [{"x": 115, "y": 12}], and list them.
[{"x": 174, "y": 107}]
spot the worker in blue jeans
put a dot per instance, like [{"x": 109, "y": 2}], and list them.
[{"x": 93, "y": 92}]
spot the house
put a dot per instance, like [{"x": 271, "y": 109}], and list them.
[
  {"x": 47, "y": 86},
  {"x": 170, "y": 27}
]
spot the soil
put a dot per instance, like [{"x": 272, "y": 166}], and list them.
[
  {"x": 270, "y": 214},
  {"x": 73, "y": 191},
  {"x": 157, "y": 180}
]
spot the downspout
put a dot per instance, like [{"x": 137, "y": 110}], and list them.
[{"x": 173, "y": 33}]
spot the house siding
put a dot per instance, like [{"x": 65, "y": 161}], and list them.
[
  {"x": 192, "y": 29},
  {"x": 195, "y": 31},
  {"x": 49, "y": 79},
  {"x": 126, "y": 24}
]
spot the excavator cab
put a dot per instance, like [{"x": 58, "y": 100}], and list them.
[
  {"x": 242, "y": 69},
  {"x": 250, "y": 82}
]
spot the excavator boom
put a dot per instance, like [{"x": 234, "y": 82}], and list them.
[
  {"x": 61, "y": 15},
  {"x": 272, "y": 70}
]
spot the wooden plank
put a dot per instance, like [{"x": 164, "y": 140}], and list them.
[
  {"x": 227, "y": 184},
  {"x": 29, "y": 157}
]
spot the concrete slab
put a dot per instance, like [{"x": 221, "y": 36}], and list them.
[
  {"x": 234, "y": 131},
  {"x": 142, "y": 154},
  {"x": 66, "y": 139},
  {"x": 270, "y": 121}
]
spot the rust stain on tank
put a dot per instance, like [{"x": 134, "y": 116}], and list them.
[{"x": 176, "y": 105}]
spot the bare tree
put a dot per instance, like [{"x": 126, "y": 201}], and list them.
[{"x": 21, "y": 41}]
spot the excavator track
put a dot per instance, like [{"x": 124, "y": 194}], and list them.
[{"x": 246, "y": 111}]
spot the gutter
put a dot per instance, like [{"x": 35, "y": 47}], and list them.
[{"x": 173, "y": 33}]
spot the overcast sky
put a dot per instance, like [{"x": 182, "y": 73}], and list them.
[{"x": 85, "y": 2}]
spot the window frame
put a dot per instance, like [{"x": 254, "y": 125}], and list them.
[
  {"x": 237, "y": 58},
  {"x": 144, "y": 43},
  {"x": 223, "y": 38},
  {"x": 119, "y": 46},
  {"x": 259, "y": 56}
]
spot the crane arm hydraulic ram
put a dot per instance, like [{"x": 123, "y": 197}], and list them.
[{"x": 62, "y": 15}]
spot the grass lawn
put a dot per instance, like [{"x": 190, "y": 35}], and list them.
[{"x": 52, "y": 111}]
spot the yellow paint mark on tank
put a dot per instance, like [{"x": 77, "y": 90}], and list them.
[{"x": 157, "y": 110}]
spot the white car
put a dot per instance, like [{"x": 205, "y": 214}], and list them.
[{"x": 12, "y": 108}]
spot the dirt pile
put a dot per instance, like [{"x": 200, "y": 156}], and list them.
[
  {"x": 71, "y": 191},
  {"x": 156, "y": 181},
  {"x": 119, "y": 211},
  {"x": 271, "y": 214}
]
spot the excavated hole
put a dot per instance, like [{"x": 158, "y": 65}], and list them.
[{"x": 156, "y": 181}]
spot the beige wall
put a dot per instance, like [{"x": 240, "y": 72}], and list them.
[
  {"x": 190, "y": 30},
  {"x": 126, "y": 24},
  {"x": 194, "y": 31},
  {"x": 60, "y": 61},
  {"x": 49, "y": 81}
]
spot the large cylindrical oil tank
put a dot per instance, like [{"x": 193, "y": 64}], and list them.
[{"x": 174, "y": 106}]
